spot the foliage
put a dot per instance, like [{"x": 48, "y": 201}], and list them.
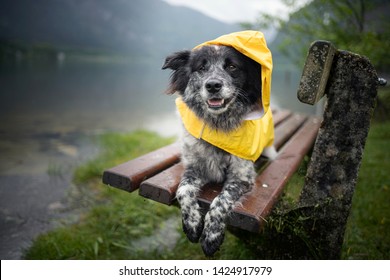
[{"x": 361, "y": 26}]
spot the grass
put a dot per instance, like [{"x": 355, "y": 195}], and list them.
[
  {"x": 367, "y": 235},
  {"x": 114, "y": 223}
]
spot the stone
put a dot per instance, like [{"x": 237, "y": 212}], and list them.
[
  {"x": 316, "y": 72},
  {"x": 333, "y": 170}
]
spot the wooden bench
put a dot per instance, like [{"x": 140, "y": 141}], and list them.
[
  {"x": 157, "y": 174},
  {"x": 350, "y": 83}
]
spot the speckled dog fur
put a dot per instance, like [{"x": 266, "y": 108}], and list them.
[{"x": 221, "y": 86}]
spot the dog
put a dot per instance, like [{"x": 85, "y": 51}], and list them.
[{"x": 219, "y": 88}]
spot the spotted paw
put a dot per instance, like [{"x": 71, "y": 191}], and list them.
[
  {"x": 211, "y": 243},
  {"x": 193, "y": 230}
]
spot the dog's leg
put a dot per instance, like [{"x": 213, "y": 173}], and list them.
[
  {"x": 214, "y": 229},
  {"x": 191, "y": 215},
  {"x": 215, "y": 221}
]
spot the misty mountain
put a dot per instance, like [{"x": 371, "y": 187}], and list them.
[{"x": 136, "y": 27}]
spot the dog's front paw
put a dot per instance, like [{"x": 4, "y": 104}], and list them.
[
  {"x": 213, "y": 233},
  {"x": 192, "y": 230},
  {"x": 211, "y": 242},
  {"x": 193, "y": 225}
]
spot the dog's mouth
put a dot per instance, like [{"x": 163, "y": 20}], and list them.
[{"x": 217, "y": 103}]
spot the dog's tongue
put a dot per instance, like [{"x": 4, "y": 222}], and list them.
[{"x": 215, "y": 102}]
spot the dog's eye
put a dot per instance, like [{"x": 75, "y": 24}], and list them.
[
  {"x": 231, "y": 67},
  {"x": 201, "y": 68}
]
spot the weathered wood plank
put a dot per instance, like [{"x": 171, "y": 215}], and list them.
[
  {"x": 129, "y": 175},
  {"x": 286, "y": 129},
  {"x": 163, "y": 186}
]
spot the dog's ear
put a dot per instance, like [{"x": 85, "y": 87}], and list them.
[{"x": 178, "y": 62}]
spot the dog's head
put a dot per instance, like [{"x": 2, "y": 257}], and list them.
[{"x": 218, "y": 83}]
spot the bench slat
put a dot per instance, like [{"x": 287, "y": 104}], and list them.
[
  {"x": 286, "y": 129},
  {"x": 163, "y": 186},
  {"x": 279, "y": 116},
  {"x": 129, "y": 175}
]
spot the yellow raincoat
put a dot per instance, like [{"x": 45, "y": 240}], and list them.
[{"x": 249, "y": 140}]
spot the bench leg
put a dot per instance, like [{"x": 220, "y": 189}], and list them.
[{"x": 332, "y": 173}]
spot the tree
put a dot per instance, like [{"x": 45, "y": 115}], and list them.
[{"x": 360, "y": 26}]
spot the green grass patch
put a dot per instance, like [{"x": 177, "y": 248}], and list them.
[
  {"x": 117, "y": 148},
  {"x": 367, "y": 235}
]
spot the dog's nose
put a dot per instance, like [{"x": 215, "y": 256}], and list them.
[{"x": 213, "y": 85}]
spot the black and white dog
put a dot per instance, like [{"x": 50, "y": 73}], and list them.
[{"x": 221, "y": 86}]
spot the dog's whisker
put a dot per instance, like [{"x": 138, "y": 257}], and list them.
[{"x": 243, "y": 95}]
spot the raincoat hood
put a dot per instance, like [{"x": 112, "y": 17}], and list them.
[
  {"x": 255, "y": 133},
  {"x": 253, "y": 45}
]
